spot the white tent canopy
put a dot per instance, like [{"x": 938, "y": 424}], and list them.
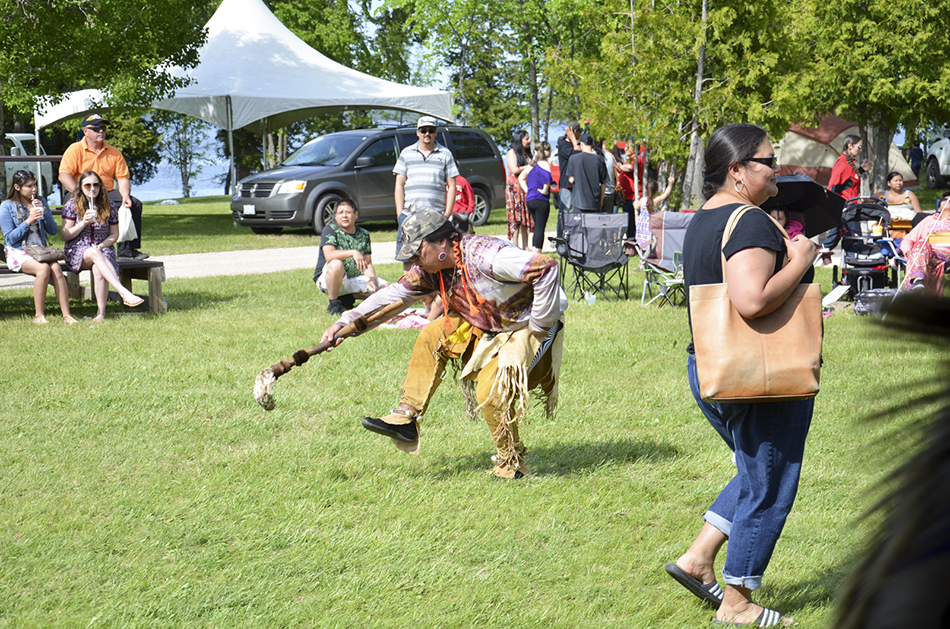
[
  {"x": 252, "y": 67},
  {"x": 267, "y": 72}
]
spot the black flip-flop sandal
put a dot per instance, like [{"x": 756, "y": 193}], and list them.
[{"x": 709, "y": 592}]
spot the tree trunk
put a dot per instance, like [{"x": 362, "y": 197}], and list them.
[
  {"x": 532, "y": 73},
  {"x": 865, "y": 188},
  {"x": 880, "y": 147},
  {"x": 547, "y": 116},
  {"x": 3, "y": 149},
  {"x": 693, "y": 178},
  {"x": 535, "y": 105},
  {"x": 462, "y": 50}
]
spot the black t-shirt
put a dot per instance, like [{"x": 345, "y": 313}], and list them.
[
  {"x": 702, "y": 245},
  {"x": 589, "y": 173},
  {"x": 565, "y": 150}
]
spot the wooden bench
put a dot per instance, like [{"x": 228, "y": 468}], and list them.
[{"x": 152, "y": 271}]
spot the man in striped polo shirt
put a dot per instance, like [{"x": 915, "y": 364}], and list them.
[{"x": 423, "y": 171}]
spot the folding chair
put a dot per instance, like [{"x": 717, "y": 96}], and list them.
[
  {"x": 591, "y": 249},
  {"x": 663, "y": 270},
  {"x": 669, "y": 285}
]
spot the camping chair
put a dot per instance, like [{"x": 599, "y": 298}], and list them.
[
  {"x": 668, "y": 285},
  {"x": 663, "y": 277},
  {"x": 591, "y": 249}
]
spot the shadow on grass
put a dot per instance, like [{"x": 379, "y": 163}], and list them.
[
  {"x": 564, "y": 460},
  {"x": 819, "y": 591}
]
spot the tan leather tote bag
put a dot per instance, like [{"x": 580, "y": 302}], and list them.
[{"x": 769, "y": 359}]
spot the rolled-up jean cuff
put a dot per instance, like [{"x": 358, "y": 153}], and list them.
[
  {"x": 724, "y": 525},
  {"x": 752, "y": 583}
]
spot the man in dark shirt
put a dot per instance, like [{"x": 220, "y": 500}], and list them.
[
  {"x": 587, "y": 173},
  {"x": 567, "y": 146}
]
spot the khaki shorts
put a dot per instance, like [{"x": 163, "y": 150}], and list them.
[{"x": 351, "y": 285}]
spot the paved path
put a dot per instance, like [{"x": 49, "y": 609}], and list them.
[{"x": 250, "y": 262}]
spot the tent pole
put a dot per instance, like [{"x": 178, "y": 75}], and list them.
[
  {"x": 233, "y": 171},
  {"x": 39, "y": 167}
]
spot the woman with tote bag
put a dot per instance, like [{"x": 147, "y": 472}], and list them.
[{"x": 763, "y": 270}]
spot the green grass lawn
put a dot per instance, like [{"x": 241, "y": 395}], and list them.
[{"x": 144, "y": 487}]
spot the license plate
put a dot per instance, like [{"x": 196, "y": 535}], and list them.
[{"x": 249, "y": 210}]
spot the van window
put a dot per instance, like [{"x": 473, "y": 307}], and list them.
[
  {"x": 383, "y": 152},
  {"x": 470, "y": 145},
  {"x": 327, "y": 150}
]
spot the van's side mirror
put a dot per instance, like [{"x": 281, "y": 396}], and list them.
[
  {"x": 15, "y": 151},
  {"x": 363, "y": 162}
]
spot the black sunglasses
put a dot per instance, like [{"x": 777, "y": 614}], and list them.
[
  {"x": 765, "y": 161},
  {"x": 96, "y": 128},
  {"x": 426, "y": 130},
  {"x": 24, "y": 174}
]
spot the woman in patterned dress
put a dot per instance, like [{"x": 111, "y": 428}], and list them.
[
  {"x": 25, "y": 220},
  {"x": 90, "y": 227},
  {"x": 926, "y": 263},
  {"x": 520, "y": 222}
]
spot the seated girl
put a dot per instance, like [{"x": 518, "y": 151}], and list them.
[
  {"x": 90, "y": 227},
  {"x": 25, "y": 219}
]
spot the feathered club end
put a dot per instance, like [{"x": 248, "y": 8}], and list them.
[{"x": 264, "y": 389}]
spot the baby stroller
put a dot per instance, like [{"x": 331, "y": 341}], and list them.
[{"x": 866, "y": 247}]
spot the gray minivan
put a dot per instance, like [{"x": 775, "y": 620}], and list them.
[{"x": 358, "y": 164}]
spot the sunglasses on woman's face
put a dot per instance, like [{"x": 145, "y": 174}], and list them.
[
  {"x": 765, "y": 161},
  {"x": 90, "y": 186}
]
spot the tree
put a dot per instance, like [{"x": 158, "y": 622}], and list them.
[
  {"x": 50, "y": 48},
  {"x": 880, "y": 64},
  {"x": 678, "y": 72},
  {"x": 184, "y": 144}
]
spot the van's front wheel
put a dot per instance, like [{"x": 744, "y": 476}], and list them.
[
  {"x": 482, "y": 208},
  {"x": 324, "y": 212}
]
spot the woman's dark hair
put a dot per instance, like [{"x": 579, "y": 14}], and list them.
[
  {"x": 19, "y": 178},
  {"x": 617, "y": 153},
  {"x": 848, "y": 141},
  {"x": 522, "y": 157},
  {"x": 891, "y": 175},
  {"x": 446, "y": 230},
  {"x": 731, "y": 144},
  {"x": 650, "y": 192}
]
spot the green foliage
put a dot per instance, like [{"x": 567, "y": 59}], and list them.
[
  {"x": 51, "y": 48},
  {"x": 640, "y": 81},
  {"x": 494, "y": 86}
]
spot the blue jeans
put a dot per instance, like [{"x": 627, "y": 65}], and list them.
[
  {"x": 399, "y": 220},
  {"x": 768, "y": 440},
  {"x": 564, "y": 199}
]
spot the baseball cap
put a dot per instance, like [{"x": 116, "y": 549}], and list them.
[
  {"x": 427, "y": 121},
  {"x": 93, "y": 119},
  {"x": 420, "y": 222},
  {"x": 587, "y": 139}
]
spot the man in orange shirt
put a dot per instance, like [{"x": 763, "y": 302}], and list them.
[{"x": 92, "y": 153}]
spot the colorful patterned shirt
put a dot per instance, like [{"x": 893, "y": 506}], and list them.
[{"x": 519, "y": 287}]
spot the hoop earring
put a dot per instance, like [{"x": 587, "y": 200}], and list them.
[
  {"x": 442, "y": 256},
  {"x": 736, "y": 186}
]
